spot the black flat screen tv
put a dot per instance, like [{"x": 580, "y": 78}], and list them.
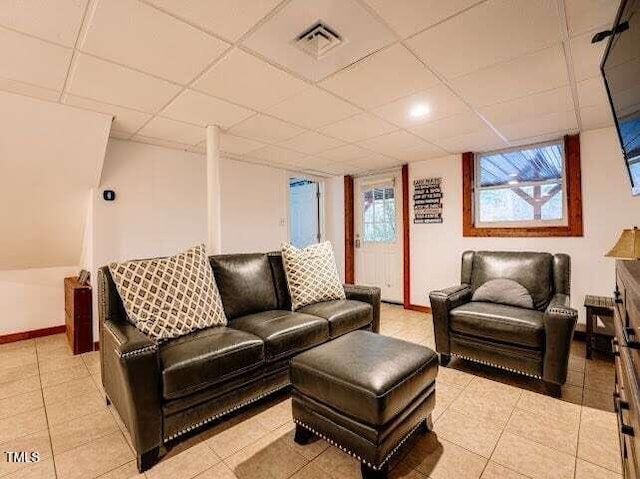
[{"x": 620, "y": 68}]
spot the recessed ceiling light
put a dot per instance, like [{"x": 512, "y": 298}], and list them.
[{"x": 419, "y": 110}]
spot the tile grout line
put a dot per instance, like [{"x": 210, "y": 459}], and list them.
[{"x": 46, "y": 416}]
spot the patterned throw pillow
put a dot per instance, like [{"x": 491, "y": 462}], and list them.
[
  {"x": 312, "y": 275},
  {"x": 170, "y": 297}
]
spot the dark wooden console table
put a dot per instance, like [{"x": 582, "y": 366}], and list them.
[
  {"x": 597, "y": 307},
  {"x": 77, "y": 305}
]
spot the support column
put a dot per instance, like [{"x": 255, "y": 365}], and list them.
[{"x": 214, "y": 230}]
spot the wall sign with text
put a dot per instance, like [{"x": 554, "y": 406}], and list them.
[{"x": 427, "y": 201}]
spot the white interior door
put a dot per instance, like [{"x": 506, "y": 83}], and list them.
[
  {"x": 304, "y": 212},
  {"x": 378, "y": 238}
]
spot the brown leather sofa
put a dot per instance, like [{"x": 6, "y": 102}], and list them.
[
  {"x": 163, "y": 391},
  {"x": 532, "y": 341}
]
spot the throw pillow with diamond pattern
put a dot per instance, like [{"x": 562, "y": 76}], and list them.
[
  {"x": 170, "y": 297},
  {"x": 312, "y": 275}
]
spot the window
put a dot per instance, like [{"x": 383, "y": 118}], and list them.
[
  {"x": 522, "y": 187},
  {"x": 526, "y": 191},
  {"x": 379, "y": 214}
]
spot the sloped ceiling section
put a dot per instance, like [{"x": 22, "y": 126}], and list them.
[{"x": 51, "y": 156}]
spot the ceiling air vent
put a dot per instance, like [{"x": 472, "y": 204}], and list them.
[{"x": 318, "y": 40}]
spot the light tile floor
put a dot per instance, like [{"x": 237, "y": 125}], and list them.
[{"x": 488, "y": 424}]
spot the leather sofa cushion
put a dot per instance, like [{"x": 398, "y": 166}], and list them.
[
  {"x": 364, "y": 375},
  {"x": 245, "y": 283},
  {"x": 284, "y": 333},
  {"x": 207, "y": 357},
  {"x": 499, "y": 322},
  {"x": 344, "y": 315},
  {"x": 534, "y": 271},
  {"x": 280, "y": 280}
]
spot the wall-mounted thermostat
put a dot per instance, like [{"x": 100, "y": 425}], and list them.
[{"x": 109, "y": 195}]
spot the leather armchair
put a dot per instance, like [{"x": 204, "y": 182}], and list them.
[{"x": 533, "y": 341}]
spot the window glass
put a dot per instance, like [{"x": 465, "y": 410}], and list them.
[
  {"x": 379, "y": 214},
  {"x": 522, "y": 186}
]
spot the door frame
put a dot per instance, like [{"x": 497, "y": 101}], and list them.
[
  {"x": 321, "y": 206},
  {"x": 349, "y": 238}
]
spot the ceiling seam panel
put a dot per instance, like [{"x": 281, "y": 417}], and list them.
[{"x": 566, "y": 46}]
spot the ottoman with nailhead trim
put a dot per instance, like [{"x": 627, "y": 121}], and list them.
[{"x": 364, "y": 393}]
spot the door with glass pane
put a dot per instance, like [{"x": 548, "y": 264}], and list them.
[{"x": 378, "y": 245}]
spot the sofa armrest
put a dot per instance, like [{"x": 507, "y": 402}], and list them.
[
  {"x": 131, "y": 378},
  {"x": 559, "y": 323},
  {"x": 443, "y": 301},
  {"x": 366, "y": 294}
]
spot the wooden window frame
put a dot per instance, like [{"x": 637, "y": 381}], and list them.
[{"x": 573, "y": 193}]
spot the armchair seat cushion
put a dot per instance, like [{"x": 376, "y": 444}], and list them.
[
  {"x": 499, "y": 322},
  {"x": 344, "y": 315},
  {"x": 284, "y": 333},
  {"x": 207, "y": 357}
]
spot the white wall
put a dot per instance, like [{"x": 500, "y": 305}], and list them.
[
  {"x": 334, "y": 218},
  {"x": 254, "y": 207},
  {"x": 608, "y": 207},
  {"x": 50, "y": 158}
]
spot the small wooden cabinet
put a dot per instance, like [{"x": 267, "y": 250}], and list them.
[{"x": 79, "y": 317}]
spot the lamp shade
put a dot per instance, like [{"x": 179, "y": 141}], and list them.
[{"x": 628, "y": 245}]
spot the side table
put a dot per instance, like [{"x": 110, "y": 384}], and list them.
[{"x": 597, "y": 307}]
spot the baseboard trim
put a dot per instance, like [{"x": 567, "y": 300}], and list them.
[
  {"x": 419, "y": 307},
  {"x": 34, "y": 333}
]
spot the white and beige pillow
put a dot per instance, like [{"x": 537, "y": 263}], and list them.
[
  {"x": 312, "y": 275},
  {"x": 170, "y": 297}
]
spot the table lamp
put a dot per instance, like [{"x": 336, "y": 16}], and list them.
[{"x": 628, "y": 245}]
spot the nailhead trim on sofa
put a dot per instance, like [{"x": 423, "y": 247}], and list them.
[{"x": 197, "y": 425}]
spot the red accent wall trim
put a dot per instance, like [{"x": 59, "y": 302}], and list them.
[
  {"x": 419, "y": 307},
  {"x": 34, "y": 333},
  {"x": 406, "y": 247},
  {"x": 349, "y": 254}
]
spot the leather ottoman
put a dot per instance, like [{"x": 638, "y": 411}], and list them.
[{"x": 364, "y": 393}]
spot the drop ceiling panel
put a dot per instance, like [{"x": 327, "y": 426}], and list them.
[
  {"x": 266, "y": 129},
  {"x": 26, "y": 89},
  {"x": 492, "y": 32},
  {"x": 553, "y": 101},
  {"x": 228, "y": 18},
  {"x": 586, "y": 55},
  {"x": 110, "y": 83},
  {"x": 456, "y": 125},
  {"x": 346, "y": 153},
  {"x": 560, "y": 123},
  {"x": 375, "y": 162},
  {"x": 195, "y": 107},
  {"x": 126, "y": 120},
  {"x": 362, "y": 33},
  {"x": 237, "y": 145},
  {"x": 388, "y": 75},
  {"x": 311, "y": 143},
  {"x": 242, "y": 78},
  {"x": 526, "y": 75},
  {"x": 26, "y": 59},
  {"x": 358, "y": 127},
  {"x": 277, "y": 155},
  {"x": 478, "y": 141},
  {"x": 403, "y": 146},
  {"x": 313, "y": 108},
  {"x": 411, "y": 16},
  {"x": 592, "y": 92},
  {"x": 439, "y": 102},
  {"x": 162, "y": 142},
  {"x": 597, "y": 116},
  {"x": 57, "y": 21},
  {"x": 583, "y": 15},
  {"x": 173, "y": 131},
  {"x": 142, "y": 37}
]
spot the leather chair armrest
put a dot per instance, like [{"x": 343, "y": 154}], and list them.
[
  {"x": 559, "y": 324},
  {"x": 366, "y": 294},
  {"x": 443, "y": 301},
  {"x": 131, "y": 378}
]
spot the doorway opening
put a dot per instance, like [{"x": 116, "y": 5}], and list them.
[
  {"x": 378, "y": 234},
  {"x": 304, "y": 212}
]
